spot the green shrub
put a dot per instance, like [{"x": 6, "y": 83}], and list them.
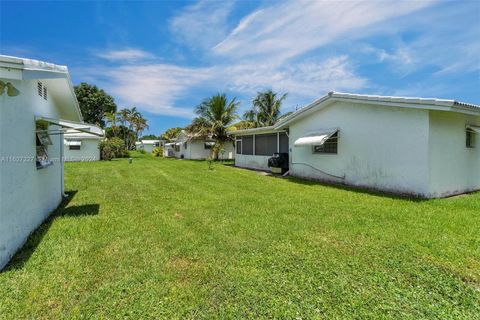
[
  {"x": 106, "y": 152},
  {"x": 157, "y": 152},
  {"x": 113, "y": 148},
  {"x": 141, "y": 151}
]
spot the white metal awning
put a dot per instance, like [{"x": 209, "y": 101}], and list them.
[
  {"x": 169, "y": 144},
  {"x": 73, "y": 142},
  {"x": 210, "y": 143},
  {"x": 178, "y": 143},
  {"x": 79, "y": 126},
  {"x": 474, "y": 128},
  {"x": 315, "y": 139}
]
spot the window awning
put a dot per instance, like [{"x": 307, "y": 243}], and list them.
[
  {"x": 169, "y": 144},
  {"x": 178, "y": 143},
  {"x": 73, "y": 142},
  {"x": 315, "y": 139},
  {"x": 474, "y": 128},
  {"x": 210, "y": 143},
  {"x": 79, "y": 126}
]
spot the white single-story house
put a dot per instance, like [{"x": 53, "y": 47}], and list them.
[
  {"x": 82, "y": 146},
  {"x": 188, "y": 146},
  {"x": 416, "y": 146},
  {"x": 149, "y": 145},
  {"x": 37, "y": 102}
]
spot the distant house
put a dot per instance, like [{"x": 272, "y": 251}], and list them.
[
  {"x": 188, "y": 146},
  {"x": 149, "y": 145},
  {"x": 37, "y": 103},
  {"x": 82, "y": 146},
  {"x": 416, "y": 146}
]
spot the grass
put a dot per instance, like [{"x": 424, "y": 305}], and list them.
[{"x": 163, "y": 238}]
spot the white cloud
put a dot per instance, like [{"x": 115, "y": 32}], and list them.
[
  {"x": 308, "y": 79},
  {"x": 128, "y": 54},
  {"x": 267, "y": 49},
  {"x": 295, "y": 27},
  {"x": 157, "y": 88},
  {"x": 202, "y": 24}
]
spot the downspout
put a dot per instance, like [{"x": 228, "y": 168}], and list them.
[{"x": 62, "y": 182}]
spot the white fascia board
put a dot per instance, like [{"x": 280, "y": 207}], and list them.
[
  {"x": 248, "y": 132},
  {"x": 401, "y": 102}
]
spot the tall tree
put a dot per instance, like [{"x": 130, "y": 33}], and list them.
[
  {"x": 111, "y": 119},
  {"x": 171, "y": 134},
  {"x": 149, "y": 137},
  {"x": 243, "y": 124},
  {"x": 215, "y": 115},
  {"x": 266, "y": 108},
  {"x": 94, "y": 103},
  {"x": 139, "y": 123},
  {"x": 123, "y": 117}
]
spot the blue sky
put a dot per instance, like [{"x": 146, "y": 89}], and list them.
[{"x": 166, "y": 57}]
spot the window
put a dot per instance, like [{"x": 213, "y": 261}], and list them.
[
  {"x": 329, "y": 146},
  {"x": 74, "y": 144},
  {"x": 208, "y": 145},
  {"x": 177, "y": 148},
  {"x": 239, "y": 146},
  {"x": 470, "y": 139},
  {"x": 265, "y": 144},
  {"x": 45, "y": 93},
  {"x": 283, "y": 142},
  {"x": 40, "y": 88},
  {"x": 185, "y": 145},
  {"x": 247, "y": 145},
  {"x": 157, "y": 144},
  {"x": 42, "y": 141}
]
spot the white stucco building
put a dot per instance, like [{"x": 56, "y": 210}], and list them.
[
  {"x": 36, "y": 102},
  {"x": 149, "y": 145},
  {"x": 416, "y": 146},
  {"x": 196, "y": 148},
  {"x": 82, "y": 146}
]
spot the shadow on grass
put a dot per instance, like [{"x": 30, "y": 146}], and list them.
[
  {"x": 338, "y": 186},
  {"x": 23, "y": 255},
  {"x": 357, "y": 189}
]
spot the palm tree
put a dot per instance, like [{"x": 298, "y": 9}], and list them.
[
  {"x": 215, "y": 115},
  {"x": 139, "y": 123},
  {"x": 112, "y": 118},
  {"x": 171, "y": 134},
  {"x": 243, "y": 124},
  {"x": 199, "y": 127},
  {"x": 266, "y": 108},
  {"x": 123, "y": 117}
]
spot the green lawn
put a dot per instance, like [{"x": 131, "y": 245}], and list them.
[{"x": 163, "y": 238}]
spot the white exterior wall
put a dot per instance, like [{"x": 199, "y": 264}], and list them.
[
  {"x": 27, "y": 195},
  {"x": 148, "y": 147},
  {"x": 454, "y": 168},
  {"x": 229, "y": 151},
  {"x": 252, "y": 161},
  {"x": 196, "y": 150},
  {"x": 378, "y": 147},
  {"x": 89, "y": 151}
]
